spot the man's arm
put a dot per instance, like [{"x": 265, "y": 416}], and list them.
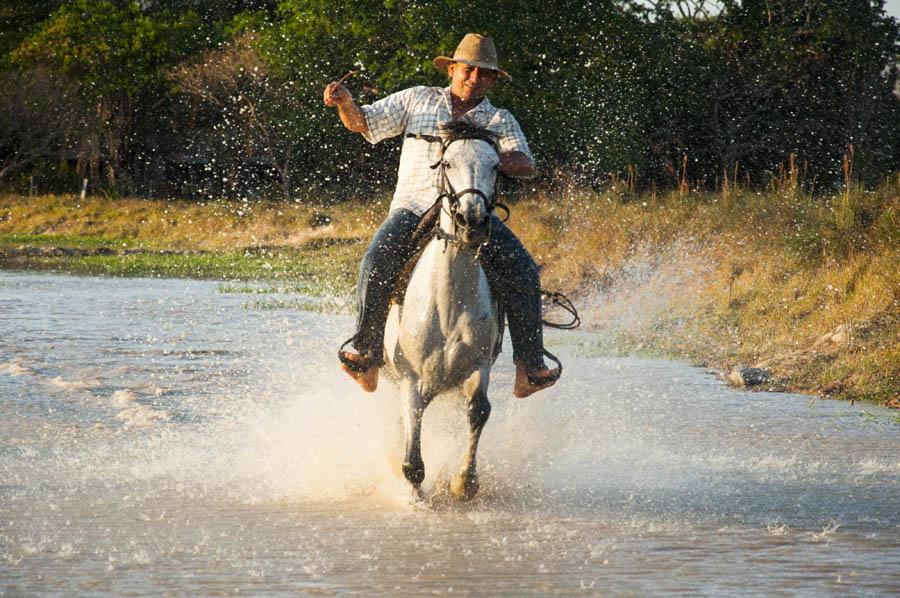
[
  {"x": 517, "y": 164},
  {"x": 351, "y": 114}
]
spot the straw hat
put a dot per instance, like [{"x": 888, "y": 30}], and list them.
[{"x": 474, "y": 50}]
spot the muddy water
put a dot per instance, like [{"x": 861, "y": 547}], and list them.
[{"x": 159, "y": 437}]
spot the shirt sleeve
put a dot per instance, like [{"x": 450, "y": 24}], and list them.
[
  {"x": 388, "y": 116},
  {"x": 512, "y": 139}
]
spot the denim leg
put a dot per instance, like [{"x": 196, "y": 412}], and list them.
[
  {"x": 516, "y": 279},
  {"x": 390, "y": 249}
]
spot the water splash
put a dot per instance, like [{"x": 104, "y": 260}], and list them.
[{"x": 249, "y": 455}]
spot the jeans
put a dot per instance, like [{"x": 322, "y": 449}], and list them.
[{"x": 513, "y": 275}]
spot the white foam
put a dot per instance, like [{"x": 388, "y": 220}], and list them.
[
  {"x": 72, "y": 385},
  {"x": 321, "y": 441},
  {"x": 828, "y": 531},
  {"x": 15, "y": 368},
  {"x": 652, "y": 285},
  {"x": 871, "y": 467},
  {"x": 123, "y": 398},
  {"x": 133, "y": 414},
  {"x": 141, "y": 416}
]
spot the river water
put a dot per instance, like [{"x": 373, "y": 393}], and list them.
[{"x": 164, "y": 437}]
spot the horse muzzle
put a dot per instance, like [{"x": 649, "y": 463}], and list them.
[{"x": 474, "y": 235}]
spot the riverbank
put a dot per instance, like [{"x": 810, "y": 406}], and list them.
[{"x": 806, "y": 290}]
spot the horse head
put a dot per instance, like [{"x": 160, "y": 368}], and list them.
[{"x": 469, "y": 165}]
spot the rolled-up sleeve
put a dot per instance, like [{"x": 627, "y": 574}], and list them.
[
  {"x": 512, "y": 139},
  {"x": 388, "y": 116}
]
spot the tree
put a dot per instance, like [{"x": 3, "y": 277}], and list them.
[
  {"x": 574, "y": 88},
  {"x": 21, "y": 18},
  {"x": 765, "y": 80},
  {"x": 116, "y": 56},
  {"x": 601, "y": 87},
  {"x": 247, "y": 110},
  {"x": 38, "y": 119}
]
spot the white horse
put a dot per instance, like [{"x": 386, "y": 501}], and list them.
[{"x": 444, "y": 335}]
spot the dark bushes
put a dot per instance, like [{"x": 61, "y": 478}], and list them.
[{"x": 203, "y": 98}]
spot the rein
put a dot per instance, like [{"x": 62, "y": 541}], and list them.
[{"x": 557, "y": 298}]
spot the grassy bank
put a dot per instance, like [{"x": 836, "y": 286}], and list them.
[
  {"x": 806, "y": 288},
  {"x": 220, "y": 240}
]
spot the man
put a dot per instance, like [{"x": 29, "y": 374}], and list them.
[{"x": 510, "y": 270}]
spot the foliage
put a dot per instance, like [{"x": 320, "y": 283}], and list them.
[
  {"x": 244, "y": 115},
  {"x": 661, "y": 93},
  {"x": 115, "y": 55},
  {"x": 38, "y": 118},
  {"x": 314, "y": 42},
  {"x": 577, "y": 85},
  {"x": 108, "y": 47},
  {"x": 767, "y": 80},
  {"x": 20, "y": 19}
]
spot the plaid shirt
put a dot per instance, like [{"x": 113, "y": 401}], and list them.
[{"x": 421, "y": 111}]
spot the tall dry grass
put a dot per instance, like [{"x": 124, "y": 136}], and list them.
[
  {"x": 807, "y": 286},
  {"x": 178, "y": 224}
]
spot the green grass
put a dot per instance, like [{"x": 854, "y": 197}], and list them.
[
  {"x": 245, "y": 289},
  {"x": 314, "y": 274},
  {"x": 329, "y": 307},
  {"x": 68, "y": 241}
]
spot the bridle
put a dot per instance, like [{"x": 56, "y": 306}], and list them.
[
  {"x": 458, "y": 131},
  {"x": 447, "y": 189},
  {"x": 453, "y": 196},
  {"x": 461, "y": 132}
]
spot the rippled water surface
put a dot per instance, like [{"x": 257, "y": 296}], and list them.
[{"x": 162, "y": 437}]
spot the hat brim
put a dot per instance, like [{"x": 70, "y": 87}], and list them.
[{"x": 442, "y": 62}]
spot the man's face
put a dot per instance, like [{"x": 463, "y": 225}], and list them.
[{"x": 470, "y": 82}]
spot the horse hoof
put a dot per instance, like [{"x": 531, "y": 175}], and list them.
[
  {"x": 414, "y": 472},
  {"x": 463, "y": 487}
]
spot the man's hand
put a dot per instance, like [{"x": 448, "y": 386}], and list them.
[{"x": 336, "y": 95}]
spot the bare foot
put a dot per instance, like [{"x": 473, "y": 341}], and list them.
[
  {"x": 365, "y": 375},
  {"x": 539, "y": 380}
]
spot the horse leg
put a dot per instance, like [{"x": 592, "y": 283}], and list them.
[
  {"x": 464, "y": 484},
  {"x": 413, "y": 407}
]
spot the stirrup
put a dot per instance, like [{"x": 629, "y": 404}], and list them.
[
  {"x": 357, "y": 367},
  {"x": 542, "y": 381}
]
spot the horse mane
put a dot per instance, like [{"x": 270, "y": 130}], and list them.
[{"x": 456, "y": 130}]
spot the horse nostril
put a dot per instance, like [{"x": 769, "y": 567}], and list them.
[{"x": 460, "y": 220}]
